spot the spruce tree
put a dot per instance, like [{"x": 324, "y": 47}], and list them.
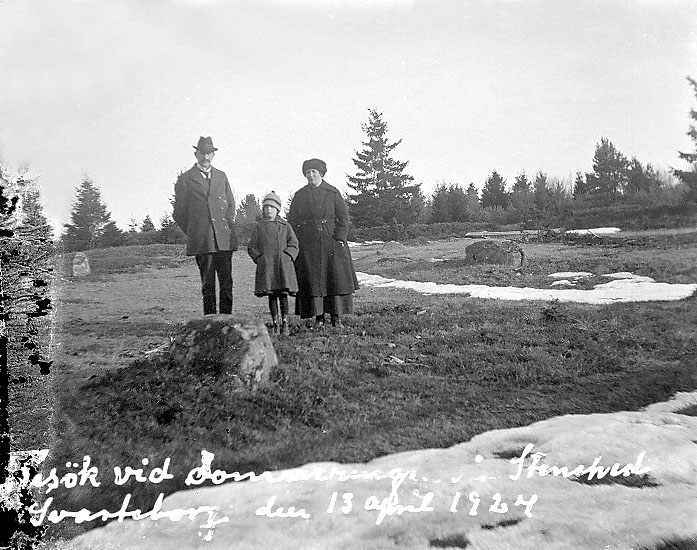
[
  {"x": 689, "y": 177},
  {"x": 521, "y": 185},
  {"x": 147, "y": 224},
  {"x": 521, "y": 195},
  {"x": 440, "y": 212},
  {"x": 542, "y": 195},
  {"x": 287, "y": 205},
  {"x": 494, "y": 192},
  {"x": 89, "y": 217},
  {"x": 641, "y": 179},
  {"x": 457, "y": 203},
  {"x": 472, "y": 198},
  {"x": 382, "y": 192},
  {"x": 581, "y": 186},
  {"x": 169, "y": 232},
  {"x": 110, "y": 236},
  {"x": 33, "y": 214},
  {"x": 249, "y": 210}
]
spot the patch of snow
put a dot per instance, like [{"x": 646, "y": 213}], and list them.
[
  {"x": 596, "y": 231},
  {"x": 366, "y": 243},
  {"x": 628, "y": 275},
  {"x": 429, "y": 495},
  {"x": 436, "y": 260},
  {"x": 623, "y": 290},
  {"x": 570, "y": 274},
  {"x": 562, "y": 282}
]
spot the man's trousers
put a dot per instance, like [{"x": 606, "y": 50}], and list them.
[{"x": 211, "y": 265}]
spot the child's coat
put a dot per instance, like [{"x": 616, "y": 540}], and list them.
[{"x": 273, "y": 247}]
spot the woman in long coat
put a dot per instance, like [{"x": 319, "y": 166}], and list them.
[{"x": 326, "y": 278}]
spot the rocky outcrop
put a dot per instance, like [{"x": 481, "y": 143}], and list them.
[
  {"x": 505, "y": 253},
  {"x": 240, "y": 348}
]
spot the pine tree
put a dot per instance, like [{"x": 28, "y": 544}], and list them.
[
  {"x": 494, "y": 192},
  {"x": 689, "y": 177},
  {"x": 382, "y": 192},
  {"x": 249, "y": 210},
  {"x": 610, "y": 169},
  {"x": 147, "y": 224},
  {"x": 89, "y": 217}
]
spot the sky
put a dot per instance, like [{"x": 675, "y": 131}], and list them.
[{"x": 121, "y": 91}]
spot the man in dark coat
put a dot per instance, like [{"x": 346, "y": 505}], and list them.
[
  {"x": 326, "y": 278},
  {"x": 205, "y": 209}
]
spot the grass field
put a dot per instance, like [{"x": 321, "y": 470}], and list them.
[{"x": 408, "y": 371}]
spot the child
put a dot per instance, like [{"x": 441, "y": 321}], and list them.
[{"x": 273, "y": 246}]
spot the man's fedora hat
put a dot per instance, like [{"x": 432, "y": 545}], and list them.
[{"x": 205, "y": 145}]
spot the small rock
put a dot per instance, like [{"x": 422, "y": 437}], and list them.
[
  {"x": 393, "y": 245},
  {"x": 81, "y": 266}
]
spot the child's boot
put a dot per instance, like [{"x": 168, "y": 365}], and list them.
[
  {"x": 274, "y": 325},
  {"x": 284, "y": 326}
]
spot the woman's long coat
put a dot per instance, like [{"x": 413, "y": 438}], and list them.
[
  {"x": 273, "y": 247},
  {"x": 320, "y": 218}
]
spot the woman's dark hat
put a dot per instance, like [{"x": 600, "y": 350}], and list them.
[
  {"x": 205, "y": 145},
  {"x": 317, "y": 164}
]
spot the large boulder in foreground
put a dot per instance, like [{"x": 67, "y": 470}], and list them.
[
  {"x": 505, "y": 253},
  {"x": 236, "y": 347}
]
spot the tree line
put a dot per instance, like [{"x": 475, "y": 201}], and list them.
[{"x": 382, "y": 193}]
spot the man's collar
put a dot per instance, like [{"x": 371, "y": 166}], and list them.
[{"x": 202, "y": 170}]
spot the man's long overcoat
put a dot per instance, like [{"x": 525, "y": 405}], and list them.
[
  {"x": 205, "y": 212},
  {"x": 273, "y": 247},
  {"x": 320, "y": 219}
]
